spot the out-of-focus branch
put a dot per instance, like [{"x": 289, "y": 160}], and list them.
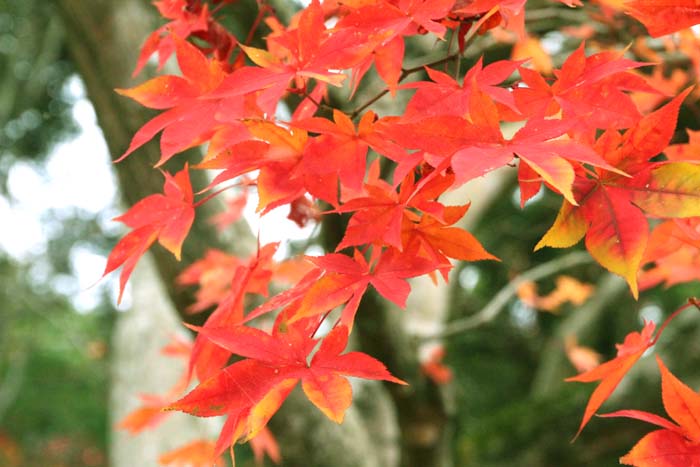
[{"x": 501, "y": 299}]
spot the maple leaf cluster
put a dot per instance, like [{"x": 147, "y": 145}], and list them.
[
  {"x": 676, "y": 444},
  {"x": 582, "y": 134}
]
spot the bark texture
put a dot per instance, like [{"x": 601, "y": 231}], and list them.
[{"x": 139, "y": 367}]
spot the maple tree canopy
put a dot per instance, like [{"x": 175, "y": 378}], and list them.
[{"x": 586, "y": 132}]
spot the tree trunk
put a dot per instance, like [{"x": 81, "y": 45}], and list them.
[
  {"x": 138, "y": 367},
  {"x": 104, "y": 38}
]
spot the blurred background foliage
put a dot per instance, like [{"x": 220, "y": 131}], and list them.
[
  {"x": 53, "y": 357},
  {"x": 53, "y": 362},
  {"x": 34, "y": 68},
  {"x": 511, "y": 405}
]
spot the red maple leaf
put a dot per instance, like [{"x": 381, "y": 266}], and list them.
[
  {"x": 589, "y": 87},
  {"x": 436, "y": 240},
  {"x": 612, "y": 208},
  {"x": 677, "y": 444},
  {"x": 253, "y": 277},
  {"x": 184, "y": 22},
  {"x": 674, "y": 253},
  {"x": 611, "y": 373},
  {"x": 251, "y": 390},
  {"x": 379, "y": 214},
  {"x": 189, "y": 120},
  {"x": 346, "y": 280},
  {"x": 664, "y": 17},
  {"x": 382, "y": 25},
  {"x": 537, "y": 144},
  {"x": 342, "y": 149},
  {"x": 198, "y": 453},
  {"x": 164, "y": 217},
  {"x": 445, "y": 96},
  {"x": 306, "y": 50}
]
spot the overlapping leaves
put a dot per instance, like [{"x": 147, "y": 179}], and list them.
[
  {"x": 250, "y": 390},
  {"x": 677, "y": 444},
  {"x": 581, "y": 135}
]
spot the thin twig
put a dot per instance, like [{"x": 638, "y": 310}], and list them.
[
  {"x": 405, "y": 73},
  {"x": 501, "y": 299},
  {"x": 359, "y": 110},
  {"x": 263, "y": 8},
  {"x": 318, "y": 104}
]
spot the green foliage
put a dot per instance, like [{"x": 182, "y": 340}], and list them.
[
  {"x": 53, "y": 374},
  {"x": 34, "y": 68}
]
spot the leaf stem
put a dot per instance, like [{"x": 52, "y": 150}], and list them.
[
  {"x": 264, "y": 8},
  {"x": 320, "y": 322},
  {"x": 212, "y": 195},
  {"x": 691, "y": 302},
  {"x": 318, "y": 104}
]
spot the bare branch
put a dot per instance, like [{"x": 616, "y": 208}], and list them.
[{"x": 500, "y": 300}]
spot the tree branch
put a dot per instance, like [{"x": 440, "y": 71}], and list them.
[{"x": 500, "y": 300}]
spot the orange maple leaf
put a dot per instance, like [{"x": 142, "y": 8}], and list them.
[{"x": 199, "y": 453}]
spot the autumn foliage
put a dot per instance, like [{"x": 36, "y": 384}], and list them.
[{"x": 597, "y": 131}]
